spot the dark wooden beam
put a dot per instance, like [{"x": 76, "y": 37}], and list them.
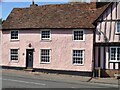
[{"x": 108, "y": 44}]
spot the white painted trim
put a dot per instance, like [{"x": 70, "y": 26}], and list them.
[
  {"x": 14, "y": 48},
  {"x": 50, "y": 56},
  {"x": 78, "y": 30},
  {"x": 45, "y": 38},
  {"x": 83, "y": 57},
  {"x": 14, "y": 39}
]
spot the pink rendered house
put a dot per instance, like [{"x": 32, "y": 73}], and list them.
[{"x": 65, "y": 37}]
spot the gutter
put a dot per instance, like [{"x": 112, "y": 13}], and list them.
[{"x": 93, "y": 58}]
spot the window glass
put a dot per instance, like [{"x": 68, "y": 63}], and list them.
[
  {"x": 45, "y": 35},
  {"x": 45, "y": 55},
  {"x": 118, "y": 27},
  {"x": 78, "y": 35},
  {"x": 14, "y": 54},
  {"x": 115, "y": 54},
  {"x": 14, "y": 34},
  {"x": 78, "y": 56}
]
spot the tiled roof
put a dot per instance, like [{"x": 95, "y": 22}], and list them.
[{"x": 70, "y": 15}]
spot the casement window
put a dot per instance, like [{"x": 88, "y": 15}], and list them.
[
  {"x": 45, "y": 35},
  {"x": 13, "y": 54},
  {"x": 78, "y": 57},
  {"x": 115, "y": 54},
  {"x": 118, "y": 27},
  {"x": 14, "y": 35},
  {"x": 45, "y": 55},
  {"x": 78, "y": 35}
]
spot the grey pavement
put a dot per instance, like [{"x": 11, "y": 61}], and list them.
[{"x": 24, "y": 79}]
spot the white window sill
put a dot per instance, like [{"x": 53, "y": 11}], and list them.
[
  {"x": 79, "y": 40},
  {"x": 117, "y": 33},
  {"x": 14, "y": 40},
  {"x": 45, "y": 40},
  {"x": 14, "y": 61},
  {"x": 114, "y": 61},
  {"x": 44, "y": 62},
  {"x": 78, "y": 64}
]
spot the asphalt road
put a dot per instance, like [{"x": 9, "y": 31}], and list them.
[{"x": 15, "y": 81}]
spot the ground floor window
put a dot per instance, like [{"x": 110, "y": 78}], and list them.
[
  {"x": 78, "y": 57},
  {"x": 45, "y": 55},
  {"x": 14, "y": 54},
  {"x": 115, "y": 54}
]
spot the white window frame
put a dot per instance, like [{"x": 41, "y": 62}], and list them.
[
  {"x": 115, "y": 56},
  {"x": 45, "y": 39},
  {"x": 83, "y": 57},
  {"x": 117, "y": 28},
  {"x": 16, "y": 61},
  {"x": 49, "y": 56},
  {"x": 83, "y": 34},
  {"x": 11, "y": 34}
]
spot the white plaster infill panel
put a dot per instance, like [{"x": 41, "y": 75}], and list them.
[{"x": 118, "y": 10}]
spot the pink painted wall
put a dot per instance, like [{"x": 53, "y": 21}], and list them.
[
  {"x": 61, "y": 47},
  {"x": 0, "y": 47},
  {"x": 111, "y": 36}
]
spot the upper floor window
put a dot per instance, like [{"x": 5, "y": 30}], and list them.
[
  {"x": 45, "y": 35},
  {"x": 78, "y": 57},
  {"x": 118, "y": 27},
  {"x": 14, "y": 54},
  {"x": 115, "y": 54},
  {"x": 45, "y": 55},
  {"x": 14, "y": 35},
  {"x": 78, "y": 35}
]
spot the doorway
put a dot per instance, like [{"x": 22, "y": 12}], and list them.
[{"x": 29, "y": 58}]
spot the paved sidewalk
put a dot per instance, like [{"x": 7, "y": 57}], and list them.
[
  {"x": 62, "y": 77},
  {"x": 106, "y": 81}
]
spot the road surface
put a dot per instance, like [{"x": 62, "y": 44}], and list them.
[{"x": 10, "y": 80}]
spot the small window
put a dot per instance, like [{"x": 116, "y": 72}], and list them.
[
  {"x": 14, "y": 54},
  {"x": 78, "y": 57},
  {"x": 45, "y": 35},
  {"x": 45, "y": 55},
  {"x": 118, "y": 27},
  {"x": 78, "y": 35},
  {"x": 14, "y": 35},
  {"x": 115, "y": 54}
]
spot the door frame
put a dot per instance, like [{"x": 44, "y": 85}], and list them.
[{"x": 32, "y": 50}]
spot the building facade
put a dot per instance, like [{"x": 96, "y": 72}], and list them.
[
  {"x": 48, "y": 49},
  {"x": 54, "y": 37},
  {"x": 107, "y": 40}
]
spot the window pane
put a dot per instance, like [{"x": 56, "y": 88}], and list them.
[
  {"x": 14, "y": 34},
  {"x": 14, "y": 54},
  {"x": 45, "y": 35},
  {"x": 113, "y": 54},
  {"x": 118, "y": 53},
  {"x": 45, "y": 55},
  {"x": 118, "y": 26},
  {"x": 77, "y": 56},
  {"x": 78, "y": 35}
]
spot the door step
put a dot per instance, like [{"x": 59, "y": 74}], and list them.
[{"x": 30, "y": 70}]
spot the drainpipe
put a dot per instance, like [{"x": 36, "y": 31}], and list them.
[
  {"x": 93, "y": 62},
  {"x": 93, "y": 57}
]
